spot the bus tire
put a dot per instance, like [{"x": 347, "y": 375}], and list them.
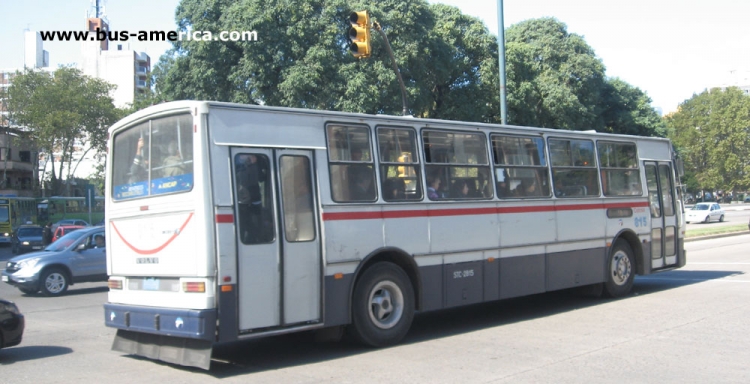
[
  {"x": 54, "y": 282},
  {"x": 382, "y": 306},
  {"x": 620, "y": 270}
]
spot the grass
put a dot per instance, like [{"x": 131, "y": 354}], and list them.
[{"x": 716, "y": 230}]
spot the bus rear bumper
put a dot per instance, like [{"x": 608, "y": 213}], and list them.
[{"x": 177, "y": 336}]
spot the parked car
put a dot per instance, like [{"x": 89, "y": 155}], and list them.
[
  {"x": 79, "y": 222},
  {"x": 77, "y": 257},
  {"x": 12, "y": 323},
  {"x": 64, "y": 230},
  {"x": 747, "y": 199},
  {"x": 704, "y": 212},
  {"x": 27, "y": 238}
]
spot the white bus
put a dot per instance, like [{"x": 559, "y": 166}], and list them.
[{"x": 231, "y": 222}]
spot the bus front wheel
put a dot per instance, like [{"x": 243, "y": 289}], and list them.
[
  {"x": 382, "y": 306},
  {"x": 620, "y": 271}
]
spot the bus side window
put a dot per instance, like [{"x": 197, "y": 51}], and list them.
[{"x": 351, "y": 164}]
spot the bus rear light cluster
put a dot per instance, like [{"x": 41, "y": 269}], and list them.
[
  {"x": 194, "y": 286},
  {"x": 114, "y": 284}
]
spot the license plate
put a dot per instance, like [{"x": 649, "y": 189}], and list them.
[
  {"x": 37, "y": 247},
  {"x": 5, "y": 279},
  {"x": 151, "y": 284}
]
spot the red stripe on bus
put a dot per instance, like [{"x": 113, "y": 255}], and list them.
[
  {"x": 157, "y": 249},
  {"x": 333, "y": 216},
  {"x": 224, "y": 218}
]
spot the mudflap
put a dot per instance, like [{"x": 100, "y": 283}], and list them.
[{"x": 175, "y": 350}]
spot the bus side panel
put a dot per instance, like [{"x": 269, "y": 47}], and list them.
[
  {"x": 522, "y": 271},
  {"x": 527, "y": 223},
  {"x": 575, "y": 268},
  {"x": 337, "y": 299}
]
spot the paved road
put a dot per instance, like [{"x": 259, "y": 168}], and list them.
[{"x": 688, "y": 325}]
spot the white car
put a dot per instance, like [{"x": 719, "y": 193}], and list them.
[{"x": 704, "y": 212}]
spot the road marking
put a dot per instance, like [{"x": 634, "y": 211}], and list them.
[{"x": 716, "y": 263}]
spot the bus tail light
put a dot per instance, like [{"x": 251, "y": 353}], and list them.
[
  {"x": 194, "y": 286},
  {"x": 114, "y": 284}
]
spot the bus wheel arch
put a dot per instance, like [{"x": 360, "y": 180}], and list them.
[
  {"x": 635, "y": 245},
  {"x": 396, "y": 256},
  {"x": 383, "y": 300},
  {"x": 621, "y": 269}
]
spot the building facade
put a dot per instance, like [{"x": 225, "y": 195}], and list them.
[{"x": 116, "y": 64}]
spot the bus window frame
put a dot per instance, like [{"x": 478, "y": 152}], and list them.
[
  {"x": 348, "y": 163},
  {"x": 416, "y": 164},
  {"x": 441, "y": 167},
  {"x": 150, "y": 179}
]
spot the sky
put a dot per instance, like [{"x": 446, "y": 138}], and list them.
[{"x": 670, "y": 49}]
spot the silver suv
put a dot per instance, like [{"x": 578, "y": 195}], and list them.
[{"x": 77, "y": 257}]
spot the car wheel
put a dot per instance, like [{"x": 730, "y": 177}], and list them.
[
  {"x": 621, "y": 270},
  {"x": 707, "y": 219},
  {"x": 54, "y": 282},
  {"x": 382, "y": 306},
  {"x": 721, "y": 218}
]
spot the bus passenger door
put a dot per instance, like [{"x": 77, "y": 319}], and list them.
[
  {"x": 301, "y": 258},
  {"x": 258, "y": 248},
  {"x": 278, "y": 266},
  {"x": 660, "y": 182}
]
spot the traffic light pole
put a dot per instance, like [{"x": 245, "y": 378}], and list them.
[{"x": 405, "y": 111}]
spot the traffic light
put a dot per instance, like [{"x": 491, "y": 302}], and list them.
[{"x": 359, "y": 34}]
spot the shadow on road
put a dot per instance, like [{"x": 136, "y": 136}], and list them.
[
  {"x": 24, "y": 353},
  {"x": 279, "y": 352},
  {"x": 72, "y": 291}
]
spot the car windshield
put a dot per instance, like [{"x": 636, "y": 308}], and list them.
[
  {"x": 64, "y": 242},
  {"x": 701, "y": 207},
  {"x": 30, "y": 232}
]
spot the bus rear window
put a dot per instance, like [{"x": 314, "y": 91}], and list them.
[{"x": 153, "y": 158}]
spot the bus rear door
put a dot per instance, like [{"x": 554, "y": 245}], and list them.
[
  {"x": 278, "y": 243},
  {"x": 663, "y": 218}
]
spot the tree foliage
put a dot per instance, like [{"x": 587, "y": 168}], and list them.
[
  {"x": 62, "y": 109},
  {"x": 448, "y": 60},
  {"x": 555, "y": 80},
  {"x": 712, "y": 130}
]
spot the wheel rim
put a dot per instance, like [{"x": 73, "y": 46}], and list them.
[
  {"x": 620, "y": 268},
  {"x": 386, "y": 304},
  {"x": 55, "y": 282}
]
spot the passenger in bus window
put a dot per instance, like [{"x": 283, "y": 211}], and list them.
[
  {"x": 362, "y": 189},
  {"x": 433, "y": 186},
  {"x": 139, "y": 168},
  {"x": 394, "y": 190},
  {"x": 462, "y": 190},
  {"x": 173, "y": 162}
]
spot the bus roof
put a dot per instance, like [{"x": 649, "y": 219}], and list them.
[{"x": 204, "y": 107}]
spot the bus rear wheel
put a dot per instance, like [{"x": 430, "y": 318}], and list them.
[
  {"x": 620, "y": 270},
  {"x": 382, "y": 306}
]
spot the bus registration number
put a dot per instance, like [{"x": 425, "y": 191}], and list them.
[{"x": 462, "y": 274}]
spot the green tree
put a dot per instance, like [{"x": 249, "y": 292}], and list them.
[
  {"x": 301, "y": 60},
  {"x": 712, "y": 131},
  {"x": 62, "y": 109},
  {"x": 554, "y": 78},
  {"x": 628, "y": 110}
]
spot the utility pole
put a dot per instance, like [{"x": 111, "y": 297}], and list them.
[{"x": 501, "y": 60}]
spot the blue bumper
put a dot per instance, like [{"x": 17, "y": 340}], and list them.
[{"x": 183, "y": 323}]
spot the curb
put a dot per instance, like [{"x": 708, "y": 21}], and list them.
[{"x": 689, "y": 239}]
